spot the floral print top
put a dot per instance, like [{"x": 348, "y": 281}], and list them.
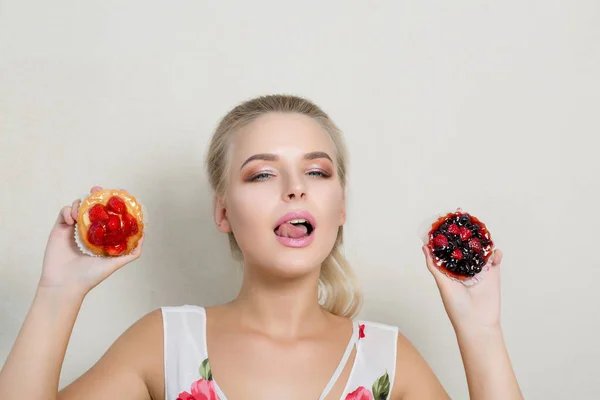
[{"x": 187, "y": 368}]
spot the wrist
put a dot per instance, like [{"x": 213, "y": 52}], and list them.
[
  {"x": 470, "y": 332},
  {"x": 61, "y": 294},
  {"x": 483, "y": 341}
]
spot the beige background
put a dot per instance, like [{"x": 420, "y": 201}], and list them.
[{"x": 492, "y": 106}]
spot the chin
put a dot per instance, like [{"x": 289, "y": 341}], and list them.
[
  {"x": 288, "y": 262},
  {"x": 292, "y": 267}
]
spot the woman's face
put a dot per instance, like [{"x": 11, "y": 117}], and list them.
[{"x": 283, "y": 163}]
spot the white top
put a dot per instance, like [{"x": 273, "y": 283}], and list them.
[{"x": 188, "y": 375}]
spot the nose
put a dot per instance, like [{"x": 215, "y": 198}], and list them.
[{"x": 296, "y": 190}]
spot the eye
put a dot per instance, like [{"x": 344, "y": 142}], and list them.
[
  {"x": 260, "y": 177},
  {"x": 318, "y": 174}
]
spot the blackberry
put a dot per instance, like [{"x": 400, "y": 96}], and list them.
[
  {"x": 452, "y": 265},
  {"x": 467, "y": 254},
  {"x": 439, "y": 253},
  {"x": 463, "y": 220}
]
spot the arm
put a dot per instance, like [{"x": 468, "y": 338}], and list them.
[
  {"x": 475, "y": 316},
  {"x": 39, "y": 350},
  {"x": 474, "y": 312},
  {"x": 489, "y": 371},
  {"x": 132, "y": 368},
  {"x": 487, "y": 365},
  {"x": 33, "y": 366},
  {"x": 40, "y": 347}
]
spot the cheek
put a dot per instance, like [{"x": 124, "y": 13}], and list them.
[
  {"x": 331, "y": 201},
  {"x": 248, "y": 209}
]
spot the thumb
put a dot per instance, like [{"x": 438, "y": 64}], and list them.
[{"x": 437, "y": 274}]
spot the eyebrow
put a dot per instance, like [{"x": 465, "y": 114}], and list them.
[{"x": 272, "y": 157}]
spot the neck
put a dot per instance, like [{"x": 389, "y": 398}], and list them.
[{"x": 280, "y": 307}]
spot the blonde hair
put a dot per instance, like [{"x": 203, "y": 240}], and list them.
[{"x": 338, "y": 288}]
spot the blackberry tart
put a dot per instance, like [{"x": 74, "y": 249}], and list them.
[
  {"x": 461, "y": 245},
  {"x": 109, "y": 223}
]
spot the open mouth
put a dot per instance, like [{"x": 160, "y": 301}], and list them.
[{"x": 295, "y": 228}]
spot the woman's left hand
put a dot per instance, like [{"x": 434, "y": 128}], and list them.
[{"x": 470, "y": 308}]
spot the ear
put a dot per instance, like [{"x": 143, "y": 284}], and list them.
[{"x": 220, "y": 215}]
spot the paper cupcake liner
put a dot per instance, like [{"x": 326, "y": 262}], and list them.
[
  {"x": 81, "y": 245},
  {"x": 424, "y": 229}
]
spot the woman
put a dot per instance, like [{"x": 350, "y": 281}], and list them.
[{"x": 277, "y": 167}]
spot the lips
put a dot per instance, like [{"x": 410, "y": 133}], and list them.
[
  {"x": 293, "y": 237},
  {"x": 297, "y": 215}
]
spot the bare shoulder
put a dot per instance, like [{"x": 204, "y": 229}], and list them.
[
  {"x": 132, "y": 368},
  {"x": 414, "y": 379}
]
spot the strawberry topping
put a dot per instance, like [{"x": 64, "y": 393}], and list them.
[
  {"x": 440, "y": 241},
  {"x": 454, "y": 229},
  {"x": 116, "y": 205},
  {"x": 475, "y": 244},
  {"x": 116, "y": 249},
  {"x": 465, "y": 233},
  {"x": 130, "y": 225},
  {"x": 96, "y": 233},
  {"x": 457, "y": 254},
  {"x": 113, "y": 238},
  {"x": 114, "y": 222},
  {"x": 111, "y": 226},
  {"x": 98, "y": 213}
]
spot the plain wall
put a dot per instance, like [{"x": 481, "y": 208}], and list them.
[{"x": 488, "y": 106}]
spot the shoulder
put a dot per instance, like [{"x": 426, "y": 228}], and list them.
[
  {"x": 378, "y": 340},
  {"x": 131, "y": 367},
  {"x": 414, "y": 379},
  {"x": 141, "y": 347},
  {"x": 409, "y": 374},
  {"x": 177, "y": 319},
  {"x": 181, "y": 310}
]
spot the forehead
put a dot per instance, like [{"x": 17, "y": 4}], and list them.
[{"x": 283, "y": 134}]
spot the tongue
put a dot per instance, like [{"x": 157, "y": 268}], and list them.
[{"x": 291, "y": 231}]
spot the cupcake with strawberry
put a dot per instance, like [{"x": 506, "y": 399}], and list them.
[{"x": 110, "y": 223}]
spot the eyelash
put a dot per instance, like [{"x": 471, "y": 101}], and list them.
[{"x": 265, "y": 175}]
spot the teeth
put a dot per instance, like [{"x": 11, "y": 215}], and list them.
[{"x": 297, "y": 221}]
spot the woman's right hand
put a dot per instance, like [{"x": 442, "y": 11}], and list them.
[{"x": 66, "y": 268}]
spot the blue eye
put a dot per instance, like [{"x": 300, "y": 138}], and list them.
[
  {"x": 263, "y": 176},
  {"x": 260, "y": 177},
  {"x": 319, "y": 174}
]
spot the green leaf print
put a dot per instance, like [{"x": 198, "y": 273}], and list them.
[
  {"x": 381, "y": 387},
  {"x": 205, "y": 372}
]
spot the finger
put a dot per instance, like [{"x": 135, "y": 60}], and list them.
[
  {"x": 443, "y": 282},
  {"x": 437, "y": 274},
  {"x": 497, "y": 257},
  {"x": 492, "y": 272},
  {"x": 138, "y": 250},
  {"x": 428, "y": 258},
  {"x": 75, "y": 209},
  {"x": 64, "y": 217},
  {"x": 96, "y": 189}
]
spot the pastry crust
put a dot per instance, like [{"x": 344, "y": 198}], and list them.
[{"x": 102, "y": 197}]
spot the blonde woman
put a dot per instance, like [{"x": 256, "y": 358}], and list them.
[{"x": 277, "y": 168}]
